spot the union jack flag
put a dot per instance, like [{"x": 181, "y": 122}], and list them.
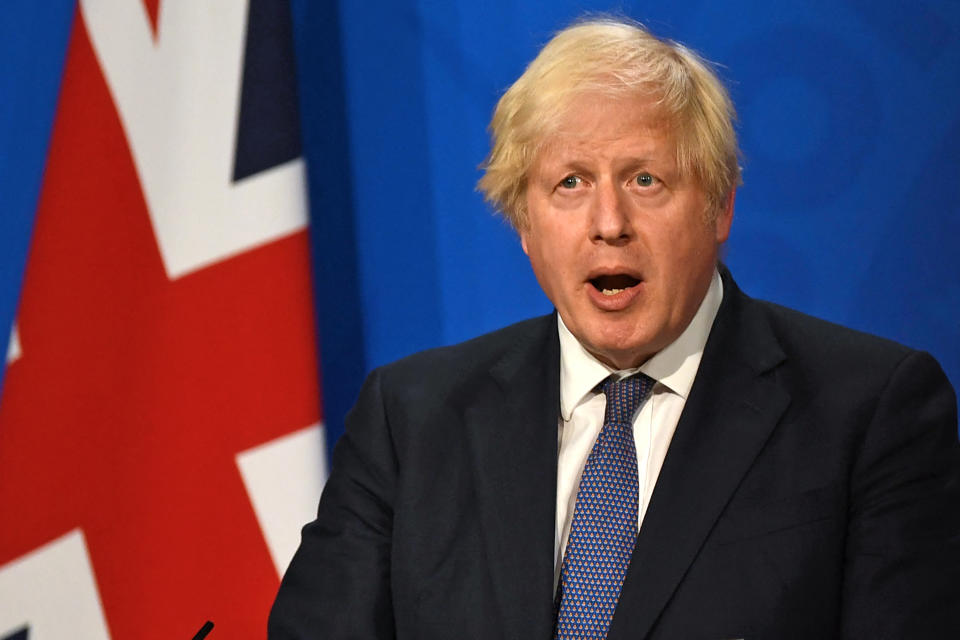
[{"x": 160, "y": 425}]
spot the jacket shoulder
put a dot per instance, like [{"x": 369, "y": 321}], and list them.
[
  {"x": 445, "y": 366},
  {"x": 807, "y": 338}
]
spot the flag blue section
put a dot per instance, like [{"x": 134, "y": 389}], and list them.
[
  {"x": 20, "y": 634},
  {"x": 268, "y": 131},
  {"x": 33, "y": 43}
]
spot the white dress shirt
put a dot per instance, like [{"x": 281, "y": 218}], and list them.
[{"x": 581, "y": 409}]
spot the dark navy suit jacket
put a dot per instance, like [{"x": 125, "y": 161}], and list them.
[{"x": 811, "y": 490}]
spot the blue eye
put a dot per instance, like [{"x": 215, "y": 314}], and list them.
[
  {"x": 645, "y": 180},
  {"x": 571, "y": 182}
]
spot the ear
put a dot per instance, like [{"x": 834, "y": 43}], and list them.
[
  {"x": 523, "y": 242},
  {"x": 725, "y": 218}
]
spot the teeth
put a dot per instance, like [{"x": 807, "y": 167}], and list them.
[{"x": 611, "y": 292}]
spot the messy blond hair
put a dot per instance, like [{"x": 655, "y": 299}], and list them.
[{"x": 616, "y": 58}]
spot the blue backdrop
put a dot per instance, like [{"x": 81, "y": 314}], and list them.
[{"x": 848, "y": 122}]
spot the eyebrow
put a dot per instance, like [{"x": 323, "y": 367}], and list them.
[{"x": 626, "y": 166}]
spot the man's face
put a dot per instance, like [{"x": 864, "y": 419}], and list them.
[{"x": 618, "y": 240}]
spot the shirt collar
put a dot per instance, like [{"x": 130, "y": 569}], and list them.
[{"x": 675, "y": 366}]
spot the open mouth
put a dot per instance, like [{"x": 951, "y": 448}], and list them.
[{"x": 611, "y": 285}]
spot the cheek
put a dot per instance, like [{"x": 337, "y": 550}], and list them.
[
  {"x": 686, "y": 241},
  {"x": 553, "y": 271},
  {"x": 539, "y": 262}
]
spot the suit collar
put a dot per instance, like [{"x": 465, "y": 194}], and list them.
[
  {"x": 734, "y": 404},
  {"x": 512, "y": 426}
]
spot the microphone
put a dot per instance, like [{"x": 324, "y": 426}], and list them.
[{"x": 204, "y": 630}]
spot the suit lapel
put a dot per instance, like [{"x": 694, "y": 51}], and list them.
[
  {"x": 733, "y": 407},
  {"x": 512, "y": 427}
]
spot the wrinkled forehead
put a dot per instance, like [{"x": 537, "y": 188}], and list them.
[
  {"x": 587, "y": 114},
  {"x": 594, "y": 120}
]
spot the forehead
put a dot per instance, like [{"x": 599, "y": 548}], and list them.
[
  {"x": 640, "y": 107},
  {"x": 608, "y": 127}
]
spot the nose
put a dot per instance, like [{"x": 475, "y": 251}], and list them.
[{"x": 610, "y": 215}]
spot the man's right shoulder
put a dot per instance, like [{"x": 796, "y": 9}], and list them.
[{"x": 448, "y": 365}]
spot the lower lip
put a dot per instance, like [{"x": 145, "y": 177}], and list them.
[{"x": 616, "y": 302}]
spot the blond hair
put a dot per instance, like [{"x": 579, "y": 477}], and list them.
[{"x": 615, "y": 58}]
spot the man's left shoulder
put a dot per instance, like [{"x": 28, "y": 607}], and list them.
[
  {"x": 807, "y": 337},
  {"x": 815, "y": 354}
]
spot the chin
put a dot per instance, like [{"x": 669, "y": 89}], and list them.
[{"x": 624, "y": 353}]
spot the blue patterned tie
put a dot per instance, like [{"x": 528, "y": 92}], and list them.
[{"x": 604, "y": 527}]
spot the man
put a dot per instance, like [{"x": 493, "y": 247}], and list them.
[{"x": 664, "y": 457}]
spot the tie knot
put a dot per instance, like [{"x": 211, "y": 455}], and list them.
[{"x": 624, "y": 397}]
